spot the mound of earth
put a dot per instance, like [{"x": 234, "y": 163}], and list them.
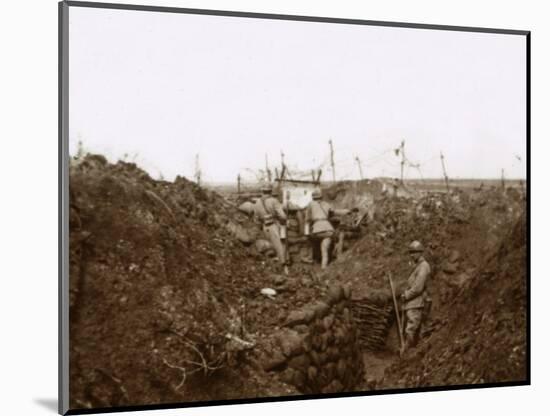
[
  {"x": 476, "y": 245},
  {"x": 459, "y": 231},
  {"x": 482, "y": 331},
  {"x": 162, "y": 293}
]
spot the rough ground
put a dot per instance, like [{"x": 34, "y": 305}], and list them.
[
  {"x": 165, "y": 289},
  {"x": 479, "y": 335},
  {"x": 477, "y": 248},
  {"x": 157, "y": 283}
]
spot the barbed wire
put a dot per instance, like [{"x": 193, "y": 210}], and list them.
[{"x": 352, "y": 164}]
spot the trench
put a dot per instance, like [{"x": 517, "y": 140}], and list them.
[{"x": 322, "y": 346}]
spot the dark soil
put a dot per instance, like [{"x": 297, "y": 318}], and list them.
[
  {"x": 476, "y": 245},
  {"x": 157, "y": 282},
  {"x": 479, "y": 336},
  {"x": 160, "y": 287}
]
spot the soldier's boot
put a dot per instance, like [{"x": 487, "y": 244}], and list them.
[{"x": 311, "y": 253}]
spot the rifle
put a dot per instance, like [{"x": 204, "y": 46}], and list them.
[{"x": 399, "y": 327}]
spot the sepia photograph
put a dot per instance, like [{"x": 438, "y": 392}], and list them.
[{"x": 264, "y": 207}]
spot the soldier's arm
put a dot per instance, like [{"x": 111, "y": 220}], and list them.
[
  {"x": 278, "y": 208},
  {"x": 340, "y": 211},
  {"x": 419, "y": 283},
  {"x": 256, "y": 214},
  {"x": 337, "y": 211}
]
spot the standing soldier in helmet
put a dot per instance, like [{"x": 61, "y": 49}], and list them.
[
  {"x": 269, "y": 211},
  {"x": 415, "y": 296},
  {"x": 318, "y": 225}
]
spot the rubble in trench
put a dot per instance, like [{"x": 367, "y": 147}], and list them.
[{"x": 166, "y": 303}]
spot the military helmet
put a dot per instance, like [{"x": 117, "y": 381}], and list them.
[
  {"x": 416, "y": 247},
  {"x": 316, "y": 194},
  {"x": 267, "y": 189}
]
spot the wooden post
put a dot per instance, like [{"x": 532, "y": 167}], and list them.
[
  {"x": 444, "y": 171},
  {"x": 332, "y": 161},
  {"x": 319, "y": 173},
  {"x": 197, "y": 170},
  {"x": 360, "y": 168},
  {"x": 239, "y": 184},
  {"x": 268, "y": 171},
  {"x": 283, "y": 166},
  {"x": 402, "y": 159},
  {"x": 502, "y": 180},
  {"x": 283, "y": 171},
  {"x": 312, "y": 175}
]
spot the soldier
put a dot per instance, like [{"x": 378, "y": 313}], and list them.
[
  {"x": 269, "y": 211},
  {"x": 415, "y": 296},
  {"x": 318, "y": 213}
]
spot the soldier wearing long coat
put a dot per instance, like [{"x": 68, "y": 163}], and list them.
[
  {"x": 414, "y": 298},
  {"x": 270, "y": 214}
]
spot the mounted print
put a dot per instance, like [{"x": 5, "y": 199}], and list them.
[{"x": 264, "y": 207}]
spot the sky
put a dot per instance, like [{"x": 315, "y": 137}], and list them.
[{"x": 161, "y": 88}]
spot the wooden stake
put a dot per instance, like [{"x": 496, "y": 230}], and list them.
[
  {"x": 268, "y": 171},
  {"x": 284, "y": 170},
  {"x": 444, "y": 171},
  {"x": 319, "y": 173},
  {"x": 197, "y": 170},
  {"x": 360, "y": 167},
  {"x": 239, "y": 184},
  {"x": 332, "y": 161},
  {"x": 402, "y": 159}
]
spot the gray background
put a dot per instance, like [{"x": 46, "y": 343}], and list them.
[{"x": 161, "y": 87}]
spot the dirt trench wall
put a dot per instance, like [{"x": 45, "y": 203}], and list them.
[{"x": 317, "y": 351}]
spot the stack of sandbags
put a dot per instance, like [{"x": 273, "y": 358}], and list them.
[{"x": 317, "y": 351}]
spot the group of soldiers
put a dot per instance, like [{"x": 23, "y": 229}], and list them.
[{"x": 273, "y": 219}]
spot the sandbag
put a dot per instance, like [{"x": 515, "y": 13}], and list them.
[{"x": 247, "y": 207}]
